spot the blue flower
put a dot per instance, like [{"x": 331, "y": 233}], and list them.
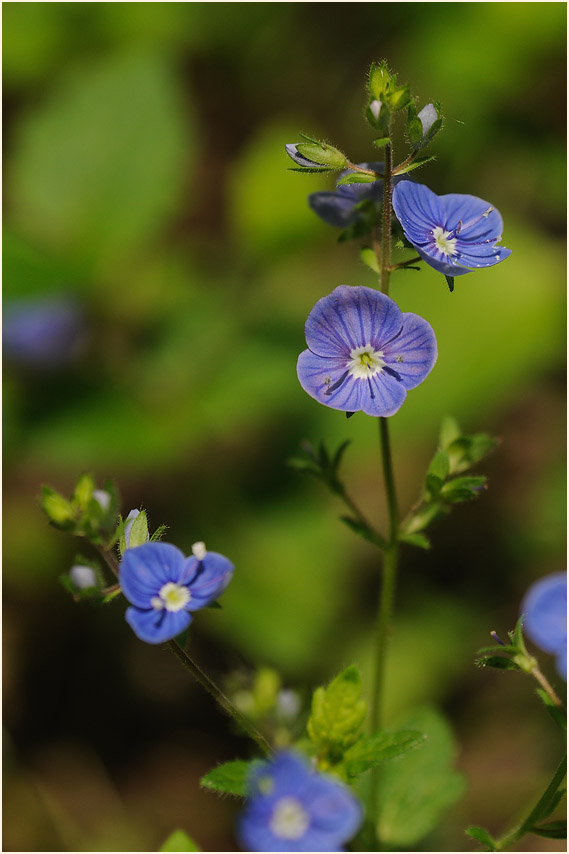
[
  {"x": 342, "y": 207},
  {"x": 293, "y": 808},
  {"x": 363, "y": 352},
  {"x": 164, "y": 586},
  {"x": 454, "y": 233},
  {"x": 43, "y": 333},
  {"x": 545, "y": 617}
]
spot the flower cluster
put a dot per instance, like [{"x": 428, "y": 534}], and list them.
[
  {"x": 164, "y": 587},
  {"x": 363, "y": 352},
  {"x": 545, "y": 617},
  {"x": 291, "y": 807}
]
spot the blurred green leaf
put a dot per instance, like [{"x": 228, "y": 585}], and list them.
[
  {"x": 369, "y": 258},
  {"x": 419, "y": 540},
  {"x": 481, "y": 836},
  {"x": 551, "y": 830},
  {"x": 371, "y": 750},
  {"x": 229, "y": 778},
  {"x": 97, "y": 166},
  {"x": 179, "y": 841},
  {"x": 338, "y": 711},
  {"x": 462, "y": 488},
  {"x": 498, "y": 662},
  {"x": 415, "y": 790}
]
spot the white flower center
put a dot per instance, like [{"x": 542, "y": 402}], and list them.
[
  {"x": 365, "y": 362},
  {"x": 172, "y": 596},
  {"x": 289, "y": 819},
  {"x": 444, "y": 242}
]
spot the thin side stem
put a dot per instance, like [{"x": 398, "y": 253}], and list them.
[
  {"x": 538, "y": 675},
  {"x": 538, "y": 812},
  {"x": 355, "y": 168},
  {"x": 219, "y": 697},
  {"x": 386, "y": 222},
  {"x": 200, "y": 676},
  {"x": 405, "y": 263},
  {"x": 375, "y": 536}
]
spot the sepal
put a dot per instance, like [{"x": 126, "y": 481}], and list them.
[{"x": 179, "y": 841}]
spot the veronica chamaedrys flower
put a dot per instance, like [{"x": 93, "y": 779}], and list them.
[
  {"x": 164, "y": 587},
  {"x": 455, "y": 233},
  {"x": 545, "y": 617},
  {"x": 364, "y": 353},
  {"x": 291, "y": 807}
]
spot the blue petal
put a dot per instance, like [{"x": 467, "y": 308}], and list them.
[
  {"x": 207, "y": 578},
  {"x": 382, "y": 395},
  {"x": 146, "y": 568},
  {"x": 561, "y": 663},
  {"x": 418, "y": 209},
  {"x": 288, "y": 771},
  {"x": 441, "y": 263},
  {"x": 155, "y": 626},
  {"x": 334, "y": 208},
  {"x": 470, "y": 210},
  {"x": 349, "y": 318},
  {"x": 417, "y": 346},
  {"x": 328, "y": 381},
  {"x": 545, "y": 609},
  {"x": 480, "y": 255},
  {"x": 333, "y": 808}
]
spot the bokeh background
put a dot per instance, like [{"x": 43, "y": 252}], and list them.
[{"x": 159, "y": 263}]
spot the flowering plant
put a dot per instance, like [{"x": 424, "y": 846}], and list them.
[{"x": 328, "y": 780}]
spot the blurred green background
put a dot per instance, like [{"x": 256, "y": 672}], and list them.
[{"x": 148, "y": 203}]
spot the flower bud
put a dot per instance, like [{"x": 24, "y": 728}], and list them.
[
  {"x": 428, "y": 116},
  {"x": 322, "y": 154},
  {"x": 83, "y": 577},
  {"x": 135, "y": 530},
  {"x": 375, "y": 108},
  {"x": 103, "y": 499}
]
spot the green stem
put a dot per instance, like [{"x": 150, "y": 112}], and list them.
[
  {"x": 538, "y": 675},
  {"x": 202, "y": 677},
  {"x": 541, "y": 810},
  {"x": 386, "y": 223},
  {"x": 219, "y": 697}
]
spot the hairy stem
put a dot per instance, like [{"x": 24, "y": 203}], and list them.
[{"x": 386, "y": 222}]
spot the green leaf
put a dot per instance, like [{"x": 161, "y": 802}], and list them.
[
  {"x": 229, "y": 778},
  {"x": 550, "y": 804},
  {"x": 369, "y": 751},
  {"x": 179, "y": 841},
  {"x": 556, "y": 713},
  {"x": 415, "y": 130},
  {"x": 83, "y": 492},
  {"x": 363, "y": 530},
  {"x": 463, "y": 489},
  {"x": 419, "y": 540},
  {"x": 439, "y": 465},
  {"x": 379, "y": 79},
  {"x": 423, "y": 517},
  {"x": 369, "y": 258},
  {"x": 433, "y": 485},
  {"x": 415, "y": 790},
  {"x": 482, "y": 836},
  {"x": 58, "y": 510},
  {"x": 357, "y": 178},
  {"x": 517, "y": 636},
  {"x": 338, "y": 711},
  {"x": 499, "y": 662},
  {"x": 419, "y": 161},
  {"x": 381, "y": 142},
  {"x": 551, "y": 830}
]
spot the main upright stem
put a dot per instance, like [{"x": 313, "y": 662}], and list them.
[{"x": 391, "y": 554}]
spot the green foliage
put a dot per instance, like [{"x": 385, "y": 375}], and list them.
[
  {"x": 482, "y": 836},
  {"x": 456, "y": 454},
  {"x": 369, "y": 258},
  {"x": 321, "y": 463},
  {"x": 551, "y": 830},
  {"x": 556, "y": 713},
  {"x": 179, "y": 841},
  {"x": 338, "y": 711},
  {"x": 82, "y": 515},
  {"x": 370, "y": 750},
  {"x": 228, "y": 779},
  {"x": 415, "y": 164},
  {"x": 416, "y": 789},
  {"x": 138, "y": 532},
  {"x": 356, "y": 178}
]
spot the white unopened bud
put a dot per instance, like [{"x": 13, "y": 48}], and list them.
[
  {"x": 375, "y": 108},
  {"x": 428, "y": 117},
  {"x": 102, "y": 498},
  {"x": 199, "y": 550},
  {"x": 83, "y": 577}
]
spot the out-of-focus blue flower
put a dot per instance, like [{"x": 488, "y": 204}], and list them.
[
  {"x": 340, "y": 207},
  {"x": 455, "y": 233},
  {"x": 164, "y": 586},
  {"x": 293, "y": 808},
  {"x": 41, "y": 332},
  {"x": 363, "y": 352},
  {"x": 545, "y": 617}
]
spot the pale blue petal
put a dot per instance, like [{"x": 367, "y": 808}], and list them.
[
  {"x": 146, "y": 568},
  {"x": 545, "y": 610},
  {"x": 418, "y": 209},
  {"x": 470, "y": 210},
  {"x": 155, "y": 626},
  {"x": 382, "y": 395},
  {"x": 328, "y": 381},
  {"x": 333, "y": 808},
  {"x": 334, "y": 208},
  {"x": 210, "y": 577},
  {"x": 351, "y": 317},
  {"x": 414, "y": 352}
]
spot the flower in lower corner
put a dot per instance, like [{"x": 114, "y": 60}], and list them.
[
  {"x": 291, "y": 807},
  {"x": 455, "y": 234},
  {"x": 164, "y": 587},
  {"x": 364, "y": 353},
  {"x": 545, "y": 617}
]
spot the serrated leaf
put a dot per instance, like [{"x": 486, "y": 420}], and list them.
[
  {"x": 415, "y": 790},
  {"x": 338, "y": 711},
  {"x": 179, "y": 841},
  {"x": 482, "y": 836},
  {"x": 229, "y": 778},
  {"x": 551, "y": 830},
  {"x": 369, "y": 258},
  {"x": 369, "y": 751},
  {"x": 499, "y": 662},
  {"x": 419, "y": 540},
  {"x": 420, "y": 161},
  {"x": 357, "y": 178}
]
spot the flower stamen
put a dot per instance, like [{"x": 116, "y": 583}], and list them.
[
  {"x": 172, "y": 597},
  {"x": 365, "y": 362}
]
